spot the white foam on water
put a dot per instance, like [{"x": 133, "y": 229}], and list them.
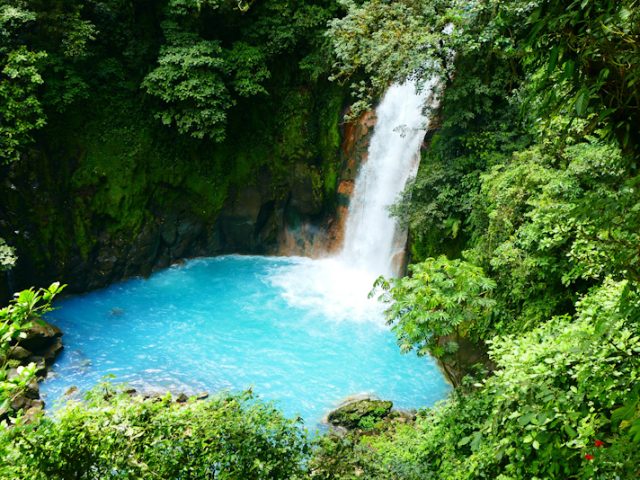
[{"x": 330, "y": 285}]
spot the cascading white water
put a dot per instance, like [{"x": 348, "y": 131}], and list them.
[
  {"x": 372, "y": 238},
  {"x": 340, "y": 285}
]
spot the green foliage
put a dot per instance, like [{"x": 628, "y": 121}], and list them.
[
  {"x": 548, "y": 226},
  {"x": 556, "y": 396},
  {"x": 21, "y": 112},
  {"x": 195, "y": 7},
  {"x": 437, "y": 303},
  {"x": 587, "y": 55},
  {"x": 389, "y": 41},
  {"x": 13, "y": 18},
  {"x": 115, "y": 435},
  {"x": 189, "y": 81},
  {"x": 7, "y": 256},
  {"x": 248, "y": 69},
  {"x": 580, "y": 57},
  {"x": 531, "y": 177},
  {"x": 27, "y": 307},
  {"x": 199, "y": 78}
]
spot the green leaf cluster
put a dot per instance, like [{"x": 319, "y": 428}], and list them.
[
  {"x": 189, "y": 80},
  {"x": 530, "y": 176},
  {"x": 7, "y": 256},
  {"x": 202, "y": 73},
  {"x": 112, "y": 434},
  {"x": 21, "y": 112},
  {"x": 440, "y": 301}
]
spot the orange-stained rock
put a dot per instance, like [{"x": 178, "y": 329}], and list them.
[
  {"x": 345, "y": 187},
  {"x": 326, "y": 237},
  {"x": 355, "y": 142}
]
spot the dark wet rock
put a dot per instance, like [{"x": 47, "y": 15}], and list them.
[
  {"x": 32, "y": 391},
  {"x": 27, "y": 398},
  {"x": 361, "y": 413},
  {"x": 40, "y": 347},
  {"x": 238, "y": 222},
  {"x": 40, "y": 336},
  {"x": 188, "y": 233},
  {"x": 306, "y": 191},
  {"x": 202, "y": 396},
  {"x": 19, "y": 353},
  {"x": 41, "y": 365},
  {"x": 38, "y": 404},
  {"x": 182, "y": 398},
  {"x": 169, "y": 230},
  {"x": 36, "y": 408},
  {"x": 19, "y": 403},
  {"x": 51, "y": 352},
  {"x": 403, "y": 416},
  {"x": 72, "y": 390}
]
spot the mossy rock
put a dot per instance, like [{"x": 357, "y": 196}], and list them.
[{"x": 360, "y": 413}]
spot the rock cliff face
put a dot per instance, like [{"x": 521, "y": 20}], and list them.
[
  {"x": 88, "y": 209},
  {"x": 354, "y": 150}
]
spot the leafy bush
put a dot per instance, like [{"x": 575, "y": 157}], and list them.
[
  {"x": 115, "y": 435},
  {"x": 441, "y": 301},
  {"x": 21, "y": 112},
  {"x": 189, "y": 80},
  {"x": 563, "y": 404}
]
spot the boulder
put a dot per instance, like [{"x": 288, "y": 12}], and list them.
[
  {"x": 182, "y": 398},
  {"x": 360, "y": 413},
  {"x": 19, "y": 353},
  {"x": 239, "y": 218},
  {"x": 72, "y": 390},
  {"x": 51, "y": 352},
  {"x": 40, "y": 336}
]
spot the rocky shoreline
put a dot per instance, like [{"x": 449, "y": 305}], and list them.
[{"x": 40, "y": 346}]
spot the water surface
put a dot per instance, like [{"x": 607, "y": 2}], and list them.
[{"x": 298, "y": 331}]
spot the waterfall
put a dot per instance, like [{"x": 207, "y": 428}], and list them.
[
  {"x": 372, "y": 239},
  {"x": 339, "y": 285}
]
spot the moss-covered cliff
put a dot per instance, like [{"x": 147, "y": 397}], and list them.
[{"x": 108, "y": 193}]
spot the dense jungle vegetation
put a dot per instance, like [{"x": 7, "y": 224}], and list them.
[{"x": 524, "y": 220}]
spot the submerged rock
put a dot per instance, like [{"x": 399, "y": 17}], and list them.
[
  {"x": 72, "y": 390},
  {"x": 51, "y": 352},
  {"x": 361, "y": 413}
]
